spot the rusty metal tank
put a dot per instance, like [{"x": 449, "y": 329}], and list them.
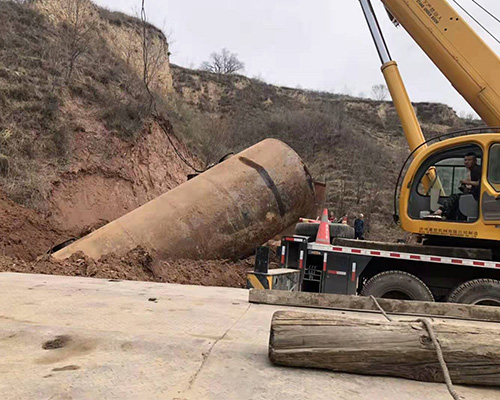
[{"x": 226, "y": 212}]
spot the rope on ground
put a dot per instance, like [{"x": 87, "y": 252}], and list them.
[
  {"x": 439, "y": 351},
  {"x": 447, "y": 378},
  {"x": 380, "y": 308}
]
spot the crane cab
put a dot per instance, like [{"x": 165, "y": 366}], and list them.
[{"x": 475, "y": 212}]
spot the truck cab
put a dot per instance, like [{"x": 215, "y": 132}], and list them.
[{"x": 478, "y": 214}]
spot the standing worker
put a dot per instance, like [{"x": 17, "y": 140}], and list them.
[{"x": 359, "y": 227}]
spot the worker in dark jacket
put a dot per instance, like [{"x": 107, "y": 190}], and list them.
[
  {"x": 359, "y": 228},
  {"x": 471, "y": 185}
]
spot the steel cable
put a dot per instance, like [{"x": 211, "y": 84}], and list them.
[
  {"x": 486, "y": 11},
  {"x": 476, "y": 21},
  {"x": 152, "y": 102}
]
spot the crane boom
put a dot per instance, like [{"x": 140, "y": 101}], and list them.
[
  {"x": 409, "y": 121},
  {"x": 456, "y": 49}
]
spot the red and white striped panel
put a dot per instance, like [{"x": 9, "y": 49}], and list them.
[
  {"x": 300, "y": 239},
  {"x": 310, "y": 221},
  {"x": 404, "y": 256},
  {"x": 343, "y": 273}
]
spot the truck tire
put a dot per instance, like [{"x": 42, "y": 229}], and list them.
[
  {"x": 397, "y": 285},
  {"x": 336, "y": 230},
  {"x": 484, "y": 292}
]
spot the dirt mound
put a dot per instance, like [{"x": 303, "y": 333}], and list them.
[
  {"x": 24, "y": 233},
  {"x": 138, "y": 265},
  {"x": 204, "y": 272}
]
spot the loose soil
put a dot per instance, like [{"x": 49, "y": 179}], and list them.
[
  {"x": 24, "y": 233},
  {"x": 138, "y": 265}
]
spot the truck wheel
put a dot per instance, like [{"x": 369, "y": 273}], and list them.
[
  {"x": 483, "y": 292},
  {"x": 341, "y": 231},
  {"x": 336, "y": 230},
  {"x": 397, "y": 285}
]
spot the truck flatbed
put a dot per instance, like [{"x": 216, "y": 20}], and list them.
[
  {"x": 403, "y": 271},
  {"x": 458, "y": 252}
]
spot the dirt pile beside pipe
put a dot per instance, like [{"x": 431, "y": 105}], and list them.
[
  {"x": 24, "y": 233},
  {"x": 138, "y": 265}
]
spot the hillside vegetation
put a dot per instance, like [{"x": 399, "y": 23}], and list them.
[
  {"x": 354, "y": 145},
  {"x": 78, "y": 139},
  {"x": 38, "y": 82}
]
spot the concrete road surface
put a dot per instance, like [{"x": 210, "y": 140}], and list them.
[{"x": 82, "y": 338}]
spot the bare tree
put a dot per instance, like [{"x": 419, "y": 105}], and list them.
[
  {"x": 468, "y": 116},
  {"x": 80, "y": 26},
  {"x": 224, "y": 63},
  {"x": 380, "y": 92},
  {"x": 154, "y": 52},
  {"x": 212, "y": 139},
  {"x": 373, "y": 203},
  {"x": 341, "y": 205},
  {"x": 154, "y": 55}
]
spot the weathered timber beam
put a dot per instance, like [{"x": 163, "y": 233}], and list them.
[
  {"x": 378, "y": 347},
  {"x": 404, "y": 307}
]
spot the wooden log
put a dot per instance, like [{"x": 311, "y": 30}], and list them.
[
  {"x": 391, "y": 306},
  {"x": 378, "y": 347}
]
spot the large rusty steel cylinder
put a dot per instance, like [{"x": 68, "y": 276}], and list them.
[{"x": 226, "y": 212}]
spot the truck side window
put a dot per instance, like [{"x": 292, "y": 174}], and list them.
[
  {"x": 494, "y": 167},
  {"x": 446, "y": 174},
  {"x": 437, "y": 184}
]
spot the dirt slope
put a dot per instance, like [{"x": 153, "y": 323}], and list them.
[
  {"x": 81, "y": 143},
  {"x": 102, "y": 187},
  {"x": 24, "y": 233}
]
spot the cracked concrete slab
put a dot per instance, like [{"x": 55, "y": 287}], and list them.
[{"x": 142, "y": 340}]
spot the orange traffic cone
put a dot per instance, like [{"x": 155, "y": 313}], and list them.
[{"x": 323, "y": 235}]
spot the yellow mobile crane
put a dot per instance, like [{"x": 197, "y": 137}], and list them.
[
  {"x": 435, "y": 167},
  {"x": 460, "y": 261}
]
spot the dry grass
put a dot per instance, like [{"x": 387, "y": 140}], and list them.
[
  {"x": 355, "y": 145},
  {"x": 30, "y": 124},
  {"x": 36, "y": 134}
]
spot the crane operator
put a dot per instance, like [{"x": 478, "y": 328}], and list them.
[{"x": 471, "y": 185}]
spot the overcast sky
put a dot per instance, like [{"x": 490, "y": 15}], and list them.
[{"x": 313, "y": 44}]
